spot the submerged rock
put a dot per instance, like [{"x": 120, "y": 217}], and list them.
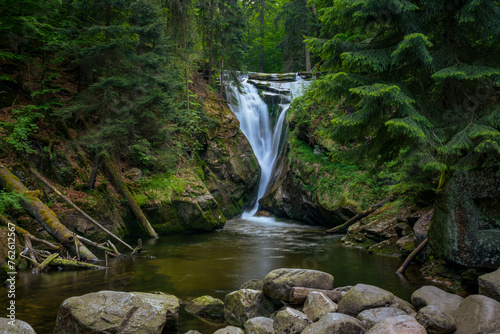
[
  {"x": 17, "y": 326},
  {"x": 117, "y": 312},
  {"x": 477, "y": 315},
  {"x": 279, "y": 282},
  {"x": 244, "y": 304},
  {"x": 254, "y": 284}
]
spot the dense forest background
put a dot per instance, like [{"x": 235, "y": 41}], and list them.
[{"x": 405, "y": 89}]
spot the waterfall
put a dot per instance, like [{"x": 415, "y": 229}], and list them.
[{"x": 256, "y": 124}]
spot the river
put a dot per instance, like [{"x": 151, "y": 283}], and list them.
[{"x": 192, "y": 265}]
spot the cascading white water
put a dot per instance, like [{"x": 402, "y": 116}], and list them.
[{"x": 255, "y": 123}]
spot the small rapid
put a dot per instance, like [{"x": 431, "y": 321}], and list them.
[{"x": 256, "y": 125}]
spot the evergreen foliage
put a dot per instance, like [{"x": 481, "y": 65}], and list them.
[{"x": 416, "y": 82}]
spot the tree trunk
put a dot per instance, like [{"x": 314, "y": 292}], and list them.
[
  {"x": 298, "y": 295},
  {"x": 410, "y": 257},
  {"x": 132, "y": 204},
  {"x": 262, "y": 11},
  {"x": 67, "y": 200},
  {"x": 211, "y": 42},
  {"x": 307, "y": 58},
  {"x": 359, "y": 216},
  {"x": 45, "y": 216}
]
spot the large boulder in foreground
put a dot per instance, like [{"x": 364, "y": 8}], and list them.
[
  {"x": 362, "y": 297},
  {"x": 489, "y": 285},
  {"x": 117, "y": 312},
  {"x": 477, "y": 315},
  {"x": 336, "y": 323},
  {"x": 465, "y": 224},
  {"x": 244, "y": 304},
  {"x": 430, "y": 295},
  {"x": 230, "y": 330},
  {"x": 402, "y": 324},
  {"x": 17, "y": 326},
  {"x": 279, "y": 282}
]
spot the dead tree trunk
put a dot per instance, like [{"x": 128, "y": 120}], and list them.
[
  {"x": 410, "y": 257},
  {"x": 132, "y": 204},
  {"x": 67, "y": 200},
  {"x": 358, "y": 217},
  {"x": 44, "y": 215}
]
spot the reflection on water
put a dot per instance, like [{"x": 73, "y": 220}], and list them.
[{"x": 191, "y": 265}]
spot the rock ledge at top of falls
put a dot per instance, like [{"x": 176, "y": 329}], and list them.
[{"x": 272, "y": 76}]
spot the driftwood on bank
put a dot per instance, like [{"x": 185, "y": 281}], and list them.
[
  {"x": 131, "y": 202},
  {"x": 67, "y": 200},
  {"x": 410, "y": 257},
  {"x": 22, "y": 232},
  {"x": 298, "y": 295},
  {"x": 32, "y": 204},
  {"x": 358, "y": 217}
]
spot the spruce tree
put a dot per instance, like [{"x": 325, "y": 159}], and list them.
[{"x": 418, "y": 80}]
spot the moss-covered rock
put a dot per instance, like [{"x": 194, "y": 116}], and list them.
[
  {"x": 207, "y": 307},
  {"x": 362, "y": 297},
  {"x": 244, "y": 304},
  {"x": 465, "y": 227}
]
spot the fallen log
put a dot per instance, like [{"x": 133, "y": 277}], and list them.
[
  {"x": 47, "y": 261},
  {"x": 67, "y": 200},
  {"x": 22, "y": 232},
  {"x": 32, "y": 204},
  {"x": 358, "y": 217},
  {"x": 94, "y": 244},
  {"x": 298, "y": 295},
  {"x": 410, "y": 257},
  {"x": 131, "y": 202}
]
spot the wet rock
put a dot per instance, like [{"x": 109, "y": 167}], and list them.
[
  {"x": 362, "y": 297},
  {"x": 254, "y": 284},
  {"x": 403, "y": 305},
  {"x": 244, "y": 304},
  {"x": 402, "y": 324},
  {"x": 337, "y": 323},
  {"x": 192, "y": 332},
  {"x": 373, "y": 316},
  {"x": 318, "y": 305},
  {"x": 465, "y": 225},
  {"x": 387, "y": 247},
  {"x": 278, "y": 283},
  {"x": 403, "y": 229},
  {"x": 17, "y": 326},
  {"x": 259, "y": 325},
  {"x": 421, "y": 227},
  {"x": 290, "y": 321},
  {"x": 477, "y": 315},
  {"x": 206, "y": 306},
  {"x": 429, "y": 295},
  {"x": 230, "y": 330},
  {"x": 120, "y": 312},
  {"x": 406, "y": 245},
  {"x": 273, "y": 76},
  {"x": 489, "y": 285},
  {"x": 435, "y": 321}
]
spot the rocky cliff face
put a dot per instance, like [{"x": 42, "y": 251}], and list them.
[{"x": 216, "y": 187}]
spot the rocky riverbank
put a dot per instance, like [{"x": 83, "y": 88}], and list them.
[{"x": 286, "y": 301}]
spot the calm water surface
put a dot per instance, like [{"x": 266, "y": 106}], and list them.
[{"x": 192, "y": 265}]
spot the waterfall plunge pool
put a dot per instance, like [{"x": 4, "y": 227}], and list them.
[{"x": 192, "y": 265}]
